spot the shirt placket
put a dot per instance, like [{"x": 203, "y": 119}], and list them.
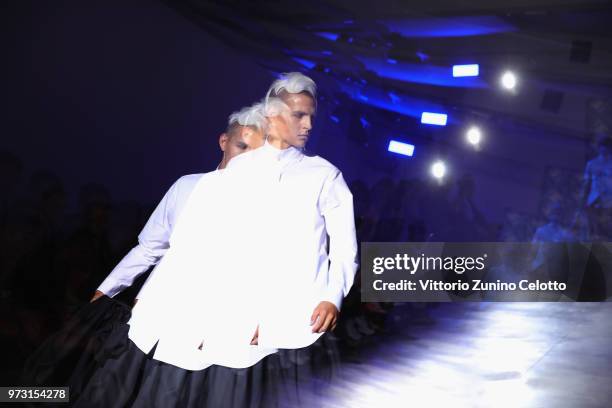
[{"x": 280, "y": 166}]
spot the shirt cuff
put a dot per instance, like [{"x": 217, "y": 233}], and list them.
[
  {"x": 334, "y": 296},
  {"x": 110, "y": 288}
]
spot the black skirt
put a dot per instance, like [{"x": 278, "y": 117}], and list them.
[
  {"x": 93, "y": 355},
  {"x": 76, "y": 345},
  {"x": 127, "y": 377}
]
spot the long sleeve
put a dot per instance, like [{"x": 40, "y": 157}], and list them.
[
  {"x": 153, "y": 242},
  {"x": 336, "y": 206}
]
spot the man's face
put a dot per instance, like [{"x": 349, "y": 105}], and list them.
[
  {"x": 293, "y": 127},
  {"x": 240, "y": 140}
]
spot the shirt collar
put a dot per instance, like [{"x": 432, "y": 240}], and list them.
[{"x": 290, "y": 153}]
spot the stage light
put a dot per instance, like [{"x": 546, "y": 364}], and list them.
[
  {"x": 453, "y": 26},
  {"x": 405, "y": 149},
  {"x": 304, "y": 62},
  {"x": 420, "y": 73},
  {"x": 364, "y": 122},
  {"x": 438, "y": 169},
  {"x": 508, "y": 80},
  {"x": 329, "y": 36},
  {"x": 469, "y": 70},
  {"x": 383, "y": 99},
  {"x": 394, "y": 97},
  {"x": 431, "y": 118},
  {"x": 474, "y": 135},
  {"x": 422, "y": 56}
]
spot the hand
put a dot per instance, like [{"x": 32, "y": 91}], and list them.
[
  {"x": 96, "y": 296},
  {"x": 324, "y": 317},
  {"x": 255, "y": 337}
]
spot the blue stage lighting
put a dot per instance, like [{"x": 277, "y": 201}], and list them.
[
  {"x": 418, "y": 73},
  {"x": 469, "y": 70},
  {"x": 422, "y": 56},
  {"x": 459, "y": 26},
  {"x": 431, "y": 118},
  {"x": 404, "y": 104},
  {"x": 329, "y": 36},
  {"x": 304, "y": 62},
  {"x": 394, "y": 97},
  {"x": 405, "y": 149},
  {"x": 364, "y": 122}
]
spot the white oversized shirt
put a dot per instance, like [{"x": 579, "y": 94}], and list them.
[
  {"x": 249, "y": 250},
  {"x": 153, "y": 240}
]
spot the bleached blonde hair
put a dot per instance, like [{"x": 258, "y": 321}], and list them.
[
  {"x": 252, "y": 116},
  {"x": 274, "y": 106},
  {"x": 294, "y": 83}
]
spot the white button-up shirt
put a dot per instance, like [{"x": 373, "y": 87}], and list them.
[
  {"x": 153, "y": 240},
  {"x": 250, "y": 250}
]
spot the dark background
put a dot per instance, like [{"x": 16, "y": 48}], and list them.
[{"x": 104, "y": 104}]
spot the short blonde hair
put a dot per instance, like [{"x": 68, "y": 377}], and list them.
[
  {"x": 274, "y": 106},
  {"x": 294, "y": 83},
  {"x": 252, "y": 116}
]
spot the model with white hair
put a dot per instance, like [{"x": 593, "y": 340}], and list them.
[
  {"x": 247, "y": 283},
  {"x": 84, "y": 334},
  {"x": 290, "y": 106},
  {"x": 307, "y": 251}
]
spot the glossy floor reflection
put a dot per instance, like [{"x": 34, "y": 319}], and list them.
[{"x": 485, "y": 355}]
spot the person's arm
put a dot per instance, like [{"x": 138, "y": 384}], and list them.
[
  {"x": 336, "y": 206},
  {"x": 153, "y": 242}
]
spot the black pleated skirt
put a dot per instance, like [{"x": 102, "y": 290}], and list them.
[
  {"x": 77, "y": 345},
  {"x": 104, "y": 368}
]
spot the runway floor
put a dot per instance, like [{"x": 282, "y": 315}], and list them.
[{"x": 484, "y": 355}]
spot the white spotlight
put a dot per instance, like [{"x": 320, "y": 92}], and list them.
[
  {"x": 438, "y": 169},
  {"x": 508, "y": 80},
  {"x": 473, "y": 135}
]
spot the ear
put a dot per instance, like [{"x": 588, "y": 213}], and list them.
[{"x": 223, "y": 141}]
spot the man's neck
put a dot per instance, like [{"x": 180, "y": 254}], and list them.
[{"x": 279, "y": 144}]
